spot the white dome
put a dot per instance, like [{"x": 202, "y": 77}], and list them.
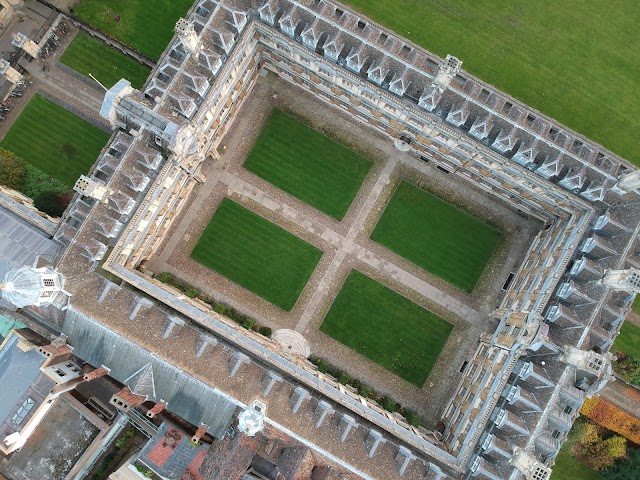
[{"x": 22, "y": 286}]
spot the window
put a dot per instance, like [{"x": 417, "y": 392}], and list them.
[
  {"x": 634, "y": 280},
  {"x": 48, "y": 282},
  {"x": 23, "y": 411}
]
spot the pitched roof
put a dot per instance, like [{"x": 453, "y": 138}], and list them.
[
  {"x": 131, "y": 364},
  {"x": 142, "y": 383}
]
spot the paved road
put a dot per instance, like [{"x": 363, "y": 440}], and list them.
[{"x": 622, "y": 396}]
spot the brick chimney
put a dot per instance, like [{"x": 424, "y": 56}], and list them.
[
  {"x": 156, "y": 409},
  {"x": 55, "y": 352},
  {"x": 71, "y": 384},
  {"x": 97, "y": 373},
  {"x": 202, "y": 429},
  {"x": 125, "y": 399}
]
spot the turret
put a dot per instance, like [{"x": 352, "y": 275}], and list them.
[{"x": 23, "y": 286}]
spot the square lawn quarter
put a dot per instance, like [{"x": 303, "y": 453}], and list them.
[
  {"x": 307, "y": 164},
  {"x": 387, "y": 328},
  {"x": 436, "y": 236},
  {"x": 54, "y": 140},
  {"x": 256, "y": 254}
]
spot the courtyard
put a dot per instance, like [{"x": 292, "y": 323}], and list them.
[{"x": 443, "y": 319}]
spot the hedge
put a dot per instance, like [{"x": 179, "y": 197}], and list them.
[
  {"x": 222, "y": 309},
  {"x": 612, "y": 418}
]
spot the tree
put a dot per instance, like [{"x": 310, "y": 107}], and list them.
[
  {"x": 628, "y": 367},
  {"x": 50, "y": 203},
  {"x": 12, "y": 170},
  {"x": 624, "y": 468}
]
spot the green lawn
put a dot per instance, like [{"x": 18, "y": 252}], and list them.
[
  {"x": 387, "y": 328},
  {"x": 629, "y": 340},
  {"x": 551, "y": 55},
  {"x": 256, "y": 254},
  {"x": 636, "y": 305},
  {"x": 145, "y": 25},
  {"x": 436, "y": 236},
  {"x": 567, "y": 467},
  {"x": 307, "y": 164},
  {"x": 54, "y": 140},
  {"x": 87, "y": 55}
]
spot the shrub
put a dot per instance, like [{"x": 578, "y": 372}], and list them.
[
  {"x": 219, "y": 308},
  {"x": 247, "y": 323},
  {"x": 412, "y": 418},
  {"x": 12, "y": 170},
  {"x": 192, "y": 292},
  {"x": 612, "y": 418},
  {"x": 323, "y": 367},
  {"x": 616, "y": 447},
  {"x": 597, "y": 456},
  {"x": 266, "y": 331},
  {"x": 364, "y": 391},
  {"x": 389, "y": 405},
  {"x": 343, "y": 378},
  {"x": 164, "y": 277},
  {"x": 49, "y": 203},
  {"x": 590, "y": 435}
]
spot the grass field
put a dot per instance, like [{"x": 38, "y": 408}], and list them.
[
  {"x": 87, "y": 55},
  {"x": 387, "y": 328},
  {"x": 55, "y": 140},
  {"x": 256, "y": 254},
  {"x": 436, "y": 236},
  {"x": 307, "y": 164},
  {"x": 551, "y": 55},
  {"x": 629, "y": 340},
  {"x": 145, "y": 25},
  {"x": 636, "y": 305}
]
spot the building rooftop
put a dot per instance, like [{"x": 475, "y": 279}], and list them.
[
  {"x": 171, "y": 454},
  {"x": 24, "y": 385},
  {"x": 140, "y": 369}
]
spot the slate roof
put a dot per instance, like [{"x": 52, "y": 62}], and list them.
[
  {"x": 18, "y": 371},
  {"x": 20, "y": 243}
]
